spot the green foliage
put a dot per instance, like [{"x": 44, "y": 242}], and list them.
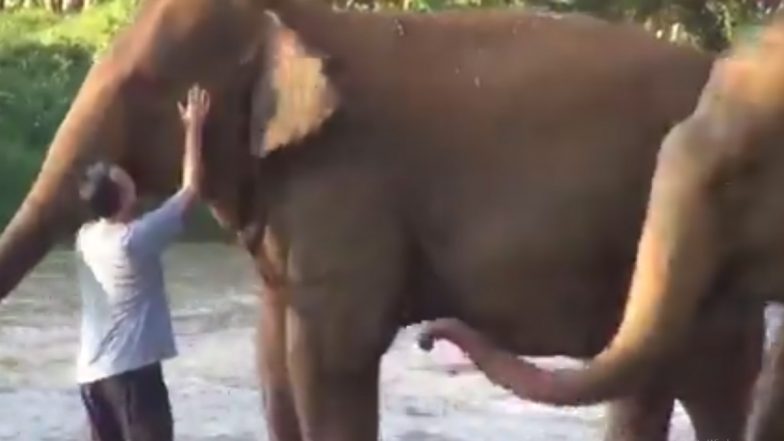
[
  {"x": 37, "y": 83},
  {"x": 43, "y": 60}
]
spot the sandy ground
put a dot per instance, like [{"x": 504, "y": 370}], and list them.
[{"x": 212, "y": 383}]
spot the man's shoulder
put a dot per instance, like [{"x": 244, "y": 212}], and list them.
[
  {"x": 84, "y": 231},
  {"x": 156, "y": 228},
  {"x": 96, "y": 232}
]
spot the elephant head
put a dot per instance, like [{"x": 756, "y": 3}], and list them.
[
  {"x": 700, "y": 235},
  {"x": 268, "y": 90}
]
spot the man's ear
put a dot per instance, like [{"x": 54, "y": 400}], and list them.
[{"x": 292, "y": 97}]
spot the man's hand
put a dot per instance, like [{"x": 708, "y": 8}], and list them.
[
  {"x": 194, "y": 111},
  {"x": 193, "y": 114}
]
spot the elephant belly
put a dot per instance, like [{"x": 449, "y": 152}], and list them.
[
  {"x": 538, "y": 285},
  {"x": 540, "y": 313},
  {"x": 541, "y": 261}
]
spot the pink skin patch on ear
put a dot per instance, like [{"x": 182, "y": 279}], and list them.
[{"x": 287, "y": 45}]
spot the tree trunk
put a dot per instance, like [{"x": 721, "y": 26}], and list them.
[
  {"x": 54, "y": 5},
  {"x": 73, "y": 5}
]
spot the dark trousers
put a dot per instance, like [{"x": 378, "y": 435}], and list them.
[{"x": 132, "y": 406}]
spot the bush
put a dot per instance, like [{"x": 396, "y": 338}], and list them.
[{"x": 37, "y": 83}]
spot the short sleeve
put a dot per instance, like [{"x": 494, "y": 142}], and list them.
[{"x": 155, "y": 230}]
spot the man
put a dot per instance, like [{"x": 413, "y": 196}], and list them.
[{"x": 126, "y": 324}]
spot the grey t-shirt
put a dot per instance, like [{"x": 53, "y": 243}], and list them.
[{"x": 126, "y": 323}]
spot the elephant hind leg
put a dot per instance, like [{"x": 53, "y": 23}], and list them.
[{"x": 642, "y": 417}]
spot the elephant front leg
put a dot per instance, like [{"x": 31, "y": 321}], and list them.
[
  {"x": 278, "y": 399},
  {"x": 335, "y": 385},
  {"x": 336, "y": 333},
  {"x": 766, "y": 422}
]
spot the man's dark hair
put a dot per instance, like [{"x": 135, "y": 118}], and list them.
[{"x": 100, "y": 192}]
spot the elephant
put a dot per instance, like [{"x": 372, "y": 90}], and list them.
[
  {"x": 384, "y": 168},
  {"x": 712, "y": 231}
]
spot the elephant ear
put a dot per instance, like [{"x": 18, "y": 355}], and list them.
[{"x": 293, "y": 97}]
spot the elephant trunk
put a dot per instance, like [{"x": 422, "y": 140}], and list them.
[
  {"x": 33, "y": 230},
  {"x": 676, "y": 259},
  {"x": 50, "y": 210}
]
